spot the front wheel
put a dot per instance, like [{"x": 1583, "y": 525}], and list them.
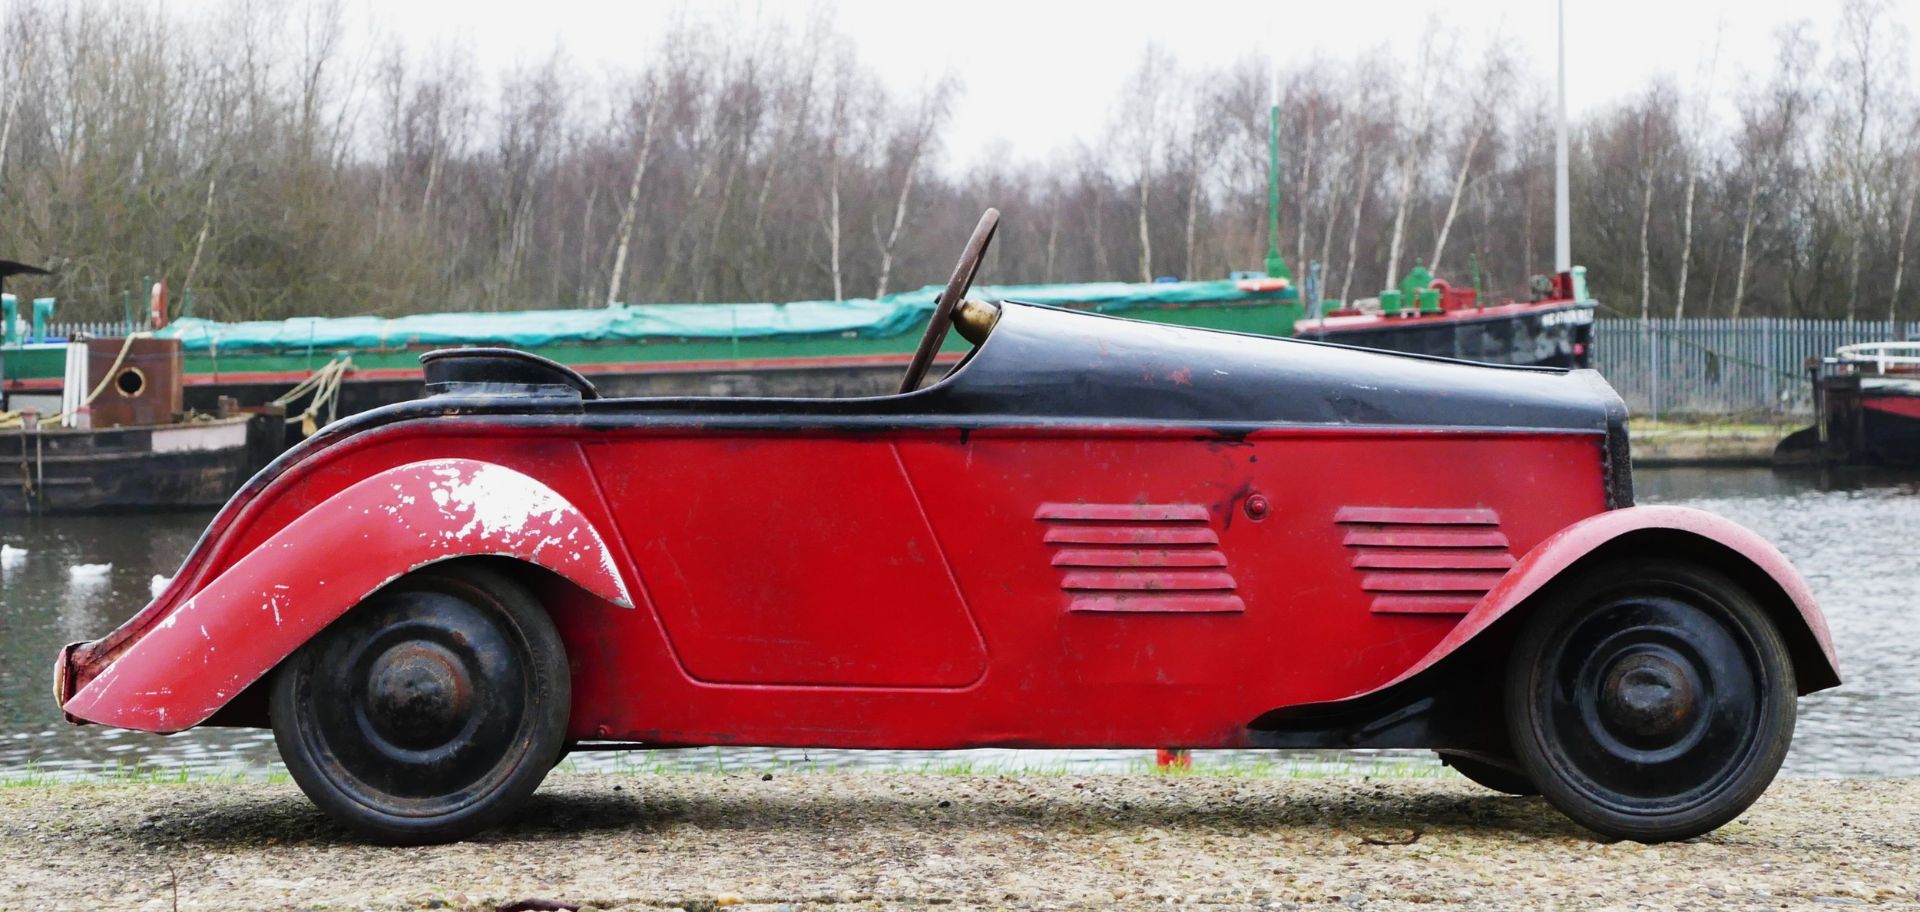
[
  {"x": 428, "y": 712},
  {"x": 1650, "y": 699}
]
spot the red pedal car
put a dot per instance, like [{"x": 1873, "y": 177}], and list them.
[{"x": 1093, "y": 532}]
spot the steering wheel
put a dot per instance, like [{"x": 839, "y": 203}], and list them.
[{"x": 943, "y": 309}]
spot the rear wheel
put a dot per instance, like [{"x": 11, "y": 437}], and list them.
[
  {"x": 428, "y": 712},
  {"x": 1487, "y": 774},
  {"x": 1651, "y": 700}
]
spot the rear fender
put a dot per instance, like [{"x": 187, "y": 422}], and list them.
[
  {"x": 236, "y": 628},
  {"x": 1678, "y": 531}
]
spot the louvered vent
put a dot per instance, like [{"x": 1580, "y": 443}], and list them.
[
  {"x": 1424, "y": 561},
  {"x": 1139, "y": 558}
]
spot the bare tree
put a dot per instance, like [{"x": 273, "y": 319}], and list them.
[
  {"x": 244, "y": 148},
  {"x": 1869, "y": 66},
  {"x": 1654, "y": 117},
  {"x": 1690, "y": 154},
  {"x": 1414, "y": 120},
  {"x": 1143, "y": 113},
  {"x": 645, "y": 100},
  {"x": 1912, "y": 182},
  {"x": 1492, "y": 87},
  {"x": 910, "y": 149},
  {"x": 1770, "y": 127}
]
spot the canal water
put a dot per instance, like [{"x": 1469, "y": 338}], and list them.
[{"x": 1855, "y": 536}]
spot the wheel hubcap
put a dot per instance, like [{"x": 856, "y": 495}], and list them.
[
  {"x": 419, "y": 695},
  {"x": 1649, "y": 699}
]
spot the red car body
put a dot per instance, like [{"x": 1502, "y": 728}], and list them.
[{"x": 1093, "y": 533}]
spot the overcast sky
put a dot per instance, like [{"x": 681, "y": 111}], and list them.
[{"x": 1040, "y": 74}]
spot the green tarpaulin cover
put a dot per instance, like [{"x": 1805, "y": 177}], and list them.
[{"x": 887, "y": 316}]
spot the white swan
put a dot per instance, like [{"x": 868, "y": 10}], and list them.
[{"x": 88, "y": 571}]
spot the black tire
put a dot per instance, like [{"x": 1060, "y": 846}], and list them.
[
  {"x": 1486, "y": 774},
  {"x": 1650, "y": 699},
  {"x": 428, "y": 712}
]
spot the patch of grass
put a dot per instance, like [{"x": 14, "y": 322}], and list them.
[
  {"x": 1286, "y": 767},
  {"x": 31, "y": 777},
  {"x": 1766, "y": 426},
  {"x": 36, "y": 776}
]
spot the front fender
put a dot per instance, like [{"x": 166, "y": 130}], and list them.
[
  {"x": 1791, "y": 601},
  {"x": 242, "y": 623}
]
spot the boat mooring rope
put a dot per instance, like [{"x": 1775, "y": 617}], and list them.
[{"x": 324, "y": 384}]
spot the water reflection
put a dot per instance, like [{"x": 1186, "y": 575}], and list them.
[{"x": 1855, "y": 535}]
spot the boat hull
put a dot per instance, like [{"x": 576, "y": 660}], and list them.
[
  {"x": 1532, "y": 335},
  {"x": 1890, "y": 420},
  {"x": 1871, "y": 420},
  {"x": 180, "y": 466}
]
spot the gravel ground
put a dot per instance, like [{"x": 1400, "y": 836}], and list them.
[{"x": 879, "y": 840}]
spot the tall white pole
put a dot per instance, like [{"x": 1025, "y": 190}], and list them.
[{"x": 1562, "y": 226}]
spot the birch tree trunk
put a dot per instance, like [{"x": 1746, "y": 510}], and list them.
[
  {"x": 1453, "y": 200},
  {"x": 206, "y": 228},
  {"x": 1900, "y": 257},
  {"x": 1193, "y": 222},
  {"x": 1336, "y": 189},
  {"x": 1412, "y": 146},
  {"x": 1686, "y": 245},
  {"x": 712, "y": 258},
  {"x": 833, "y": 226},
  {"x": 1399, "y": 221},
  {"x": 1713, "y": 280},
  {"x": 623, "y": 237},
  {"x": 1526, "y": 228},
  {"x": 583, "y": 292},
  {"x": 1689, "y": 159},
  {"x": 899, "y": 218},
  {"x": 433, "y": 179},
  {"x": 1146, "y": 238},
  {"x": 1646, "y": 256},
  {"x": 1746, "y": 244},
  {"x": 6, "y": 133},
  {"x": 1853, "y": 265},
  {"x": 1353, "y": 233},
  {"x": 1300, "y": 193},
  {"x": 1053, "y": 243},
  {"x": 1102, "y": 260}
]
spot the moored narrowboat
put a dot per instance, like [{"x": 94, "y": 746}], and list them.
[
  {"x": 1866, "y": 401},
  {"x": 1428, "y": 316},
  {"x": 117, "y": 437}
]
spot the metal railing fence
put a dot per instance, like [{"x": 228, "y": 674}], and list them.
[
  {"x": 1724, "y": 367},
  {"x": 69, "y": 329}
]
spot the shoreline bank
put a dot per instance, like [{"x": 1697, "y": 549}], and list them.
[{"x": 1706, "y": 443}]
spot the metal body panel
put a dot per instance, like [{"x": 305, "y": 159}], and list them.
[
  {"x": 790, "y": 561},
  {"x": 1094, "y": 533}
]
